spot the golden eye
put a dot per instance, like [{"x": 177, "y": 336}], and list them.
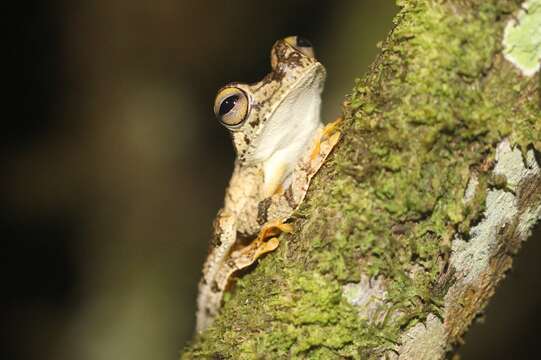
[
  {"x": 301, "y": 44},
  {"x": 231, "y": 106}
]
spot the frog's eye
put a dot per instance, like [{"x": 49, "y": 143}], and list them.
[
  {"x": 231, "y": 106},
  {"x": 301, "y": 44}
]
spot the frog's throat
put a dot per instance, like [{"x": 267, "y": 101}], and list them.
[
  {"x": 280, "y": 165},
  {"x": 294, "y": 113}
]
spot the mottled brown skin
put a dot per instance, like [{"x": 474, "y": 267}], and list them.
[{"x": 251, "y": 219}]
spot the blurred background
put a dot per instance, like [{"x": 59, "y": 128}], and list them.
[{"x": 114, "y": 167}]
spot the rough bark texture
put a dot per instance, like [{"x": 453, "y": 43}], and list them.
[{"x": 413, "y": 221}]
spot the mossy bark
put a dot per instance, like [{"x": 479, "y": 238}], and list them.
[{"x": 413, "y": 221}]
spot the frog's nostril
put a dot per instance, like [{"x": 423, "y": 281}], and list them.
[{"x": 303, "y": 42}]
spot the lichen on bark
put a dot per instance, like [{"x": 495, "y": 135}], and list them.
[{"x": 420, "y": 132}]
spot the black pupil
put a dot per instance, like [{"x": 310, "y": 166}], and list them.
[
  {"x": 228, "y": 104},
  {"x": 302, "y": 42}
]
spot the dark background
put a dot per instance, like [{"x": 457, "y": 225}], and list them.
[{"x": 113, "y": 167}]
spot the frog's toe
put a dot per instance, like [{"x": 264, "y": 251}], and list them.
[
  {"x": 266, "y": 247},
  {"x": 285, "y": 228},
  {"x": 330, "y": 128},
  {"x": 274, "y": 228},
  {"x": 316, "y": 149},
  {"x": 329, "y": 135}
]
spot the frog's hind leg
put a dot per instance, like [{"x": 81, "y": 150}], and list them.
[{"x": 265, "y": 242}]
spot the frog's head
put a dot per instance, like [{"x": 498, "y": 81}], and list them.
[{"x": 279, "y": 110}]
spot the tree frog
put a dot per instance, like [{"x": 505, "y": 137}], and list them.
[{"x": 280, "y": 144}]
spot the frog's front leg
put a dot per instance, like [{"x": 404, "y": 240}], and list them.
[{"x": 329, "y": 135}]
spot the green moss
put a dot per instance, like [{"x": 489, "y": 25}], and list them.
[
  {"x": 428, "y": 113},
  {"x": 303, "y": 314},
  {"x": 522, "y": 40}
]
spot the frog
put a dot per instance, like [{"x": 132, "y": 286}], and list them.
[{"x": 280, "y": 144}]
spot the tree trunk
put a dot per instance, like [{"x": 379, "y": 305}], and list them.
[{"x": 413, "y": 221}]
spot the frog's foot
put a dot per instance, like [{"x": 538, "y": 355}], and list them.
[
  {"x": 330, "y": 128},
  {"x": 329, "y": 134},
  {"x": 274, "y": 228},
  {"x": 265, "y": 242}
]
